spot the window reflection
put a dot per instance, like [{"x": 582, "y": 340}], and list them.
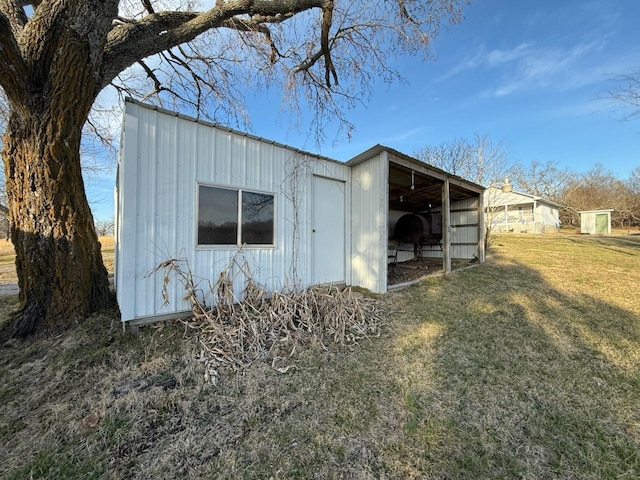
[
  {"x": 257, "y": 218},
  {"x": 218, "y": 221}
]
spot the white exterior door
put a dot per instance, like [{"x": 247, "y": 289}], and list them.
[{"x": 328, "y": 230}]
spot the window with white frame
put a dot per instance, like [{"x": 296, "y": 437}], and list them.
[{"x": 234, "y": 216}]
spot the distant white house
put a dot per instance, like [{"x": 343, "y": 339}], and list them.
[
  {"x": 509, "y": 211},
  {"x": 595, "y": 221}
]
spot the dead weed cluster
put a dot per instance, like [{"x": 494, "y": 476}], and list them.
[{"x": 269, "y": 326}]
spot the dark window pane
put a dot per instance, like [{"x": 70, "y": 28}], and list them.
[
  {"x": 257, "y": 218},
  {"x": 217, "y": 216}
]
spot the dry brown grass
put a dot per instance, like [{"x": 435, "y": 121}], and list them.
[
  {"x": 107, "y": 252},
  {"x": 525, "y": 367},
  {"x": 269, "y": 326}
]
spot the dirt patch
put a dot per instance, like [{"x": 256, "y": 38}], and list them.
[{"x": 417, "y": 268}]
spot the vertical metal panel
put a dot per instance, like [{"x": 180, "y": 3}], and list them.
[
  {"x": 482, "y": 229},
  {"x": 148, "y": 147},
  {"x": 587, "y": 222},
  {"x": 465, "y": 232},
  {"x": 369, "y": 192},
  {"x": 447, "y": 231},
  {"x": 125, "y": 271}
]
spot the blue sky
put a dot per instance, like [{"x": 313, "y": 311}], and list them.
[{"x": 531, "y": 73}]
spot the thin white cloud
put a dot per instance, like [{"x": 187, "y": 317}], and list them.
[
  {"x": 528, "y": 66},
  {"x": 560, "y": 69},
  {"x": 578, "y": 109},
  {"x": 497, "y": 58},
  {"x": 484, "y": 59},
  {"x": 402, "y": 136}
]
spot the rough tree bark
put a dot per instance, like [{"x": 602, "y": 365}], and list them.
[{"x": 60, "y": 271}]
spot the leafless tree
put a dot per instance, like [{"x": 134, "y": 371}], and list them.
[
  {"x": 626, "y": 94},
  {"x": 545, "y": 180},
  {"x": 634, "y": 181},
  {"x": 58, "y": 55},
  {"x": 455, "y": 157},
  {"x": 626, "y": 99},
  {"x": 633, "y": 185},
  {"x": 597, "y": 189},
  {"x": 105, "y": 227},
  {"x": 481, "y": 160}
]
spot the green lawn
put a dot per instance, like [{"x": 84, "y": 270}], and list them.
[{"x": 524, "y": 367}]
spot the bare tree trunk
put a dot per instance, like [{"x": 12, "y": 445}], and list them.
[{"x": 60, "y": 272}]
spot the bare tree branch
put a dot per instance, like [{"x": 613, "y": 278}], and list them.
[
  {"x": 481, "y": 161},
  {"x": 14, "y": 13},
  {"x": 13, "y": 70},
  {"x": 148, "y": 7},
  {"x": 329, "y": 69},
  {"x": 542, "y": 179},
  {"x": 627, "y": 95},
  {"x": 151, "y": 75},
  {"x": 164, "y": 30}
]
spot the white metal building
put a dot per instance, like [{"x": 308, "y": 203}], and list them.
[
  {"x": 193, "y": 190},
  {"x": 595, "y": 221}
]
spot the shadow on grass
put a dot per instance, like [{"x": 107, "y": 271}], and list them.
[
  {"x": 519, "y": 381},
  {"x": 616, "y": 244}
]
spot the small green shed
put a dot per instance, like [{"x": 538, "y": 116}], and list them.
[{"x": 595, "y": 221}]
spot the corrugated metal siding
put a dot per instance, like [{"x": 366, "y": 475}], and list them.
[
  {"x": 163, "y": 158},
  {"x": 369, "y": 223},
  {"x": 465, "y": 230}
]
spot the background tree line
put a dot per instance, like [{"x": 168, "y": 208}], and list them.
[{"x": 487, "y": 162}]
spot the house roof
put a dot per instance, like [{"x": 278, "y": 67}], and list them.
[
  {"x": 609, "y": 210},
  {"x": 376, "y": 149},
  {"x": 516, "y": 198}
]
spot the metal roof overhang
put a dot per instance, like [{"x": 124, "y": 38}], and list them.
[{"x": 415, "y": 186}]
